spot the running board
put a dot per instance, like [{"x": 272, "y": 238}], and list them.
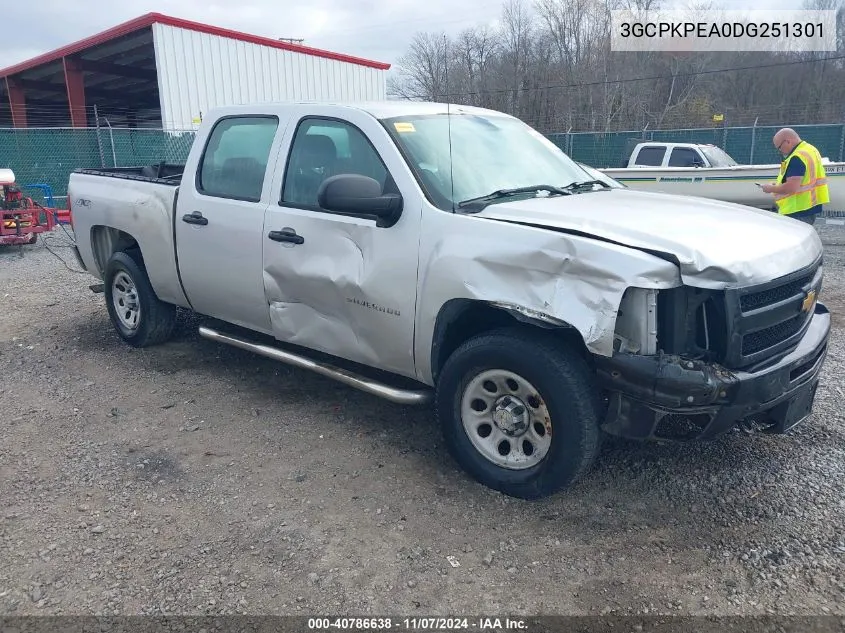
[{"x": 399, "y": 396}]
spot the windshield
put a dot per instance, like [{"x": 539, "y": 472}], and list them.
[
  {"x": 488, "y": 153},
  {"x": 718, "y": 157}
]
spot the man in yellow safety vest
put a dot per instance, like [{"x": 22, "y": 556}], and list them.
[{"x": 801, "y": 187}]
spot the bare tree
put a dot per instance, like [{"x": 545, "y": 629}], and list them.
[
  {"x": 518, "y": 26},
  {"x": 423, "y": 68},
  {"x": 552, "y": 64}
]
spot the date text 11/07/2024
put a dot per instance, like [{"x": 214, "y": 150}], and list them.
[{"x": 485, "y": 624}]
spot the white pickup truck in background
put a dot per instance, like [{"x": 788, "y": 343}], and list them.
[
  {"x": 698, "y": 169},
  {"x": 398, "y": 248},
  {"x": 647, "y": 155}
]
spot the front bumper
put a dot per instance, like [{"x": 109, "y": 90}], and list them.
[{"x": 672, "y": 398}]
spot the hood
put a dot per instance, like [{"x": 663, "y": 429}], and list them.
[{"x": 716, "y": 244}]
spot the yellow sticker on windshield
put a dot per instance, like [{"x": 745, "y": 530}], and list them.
[{"x": 404, "y": 127}]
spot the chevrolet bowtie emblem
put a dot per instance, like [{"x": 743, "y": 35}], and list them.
[{"x": 809, "y": 301}]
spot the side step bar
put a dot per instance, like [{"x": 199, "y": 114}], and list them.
[{"x": 399, "y": 396}]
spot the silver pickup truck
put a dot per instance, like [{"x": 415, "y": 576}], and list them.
[{"x": 455, "y": 256}]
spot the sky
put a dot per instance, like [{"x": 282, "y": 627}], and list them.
[{"x": 374, "y": 29}]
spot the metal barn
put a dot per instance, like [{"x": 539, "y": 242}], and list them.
[{"x": 163, "y": 72}]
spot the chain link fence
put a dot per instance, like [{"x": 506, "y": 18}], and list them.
[{"x": 47, "y": 156}]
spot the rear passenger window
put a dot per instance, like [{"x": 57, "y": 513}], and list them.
[
  {"x": 651, "y": 156},
  {"x": 235, "y": 159}
]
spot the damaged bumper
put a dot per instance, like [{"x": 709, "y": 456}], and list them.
[{"x": 672, "y": 398}]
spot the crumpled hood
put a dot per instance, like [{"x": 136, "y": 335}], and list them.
[{"x": 717, "y": 244}]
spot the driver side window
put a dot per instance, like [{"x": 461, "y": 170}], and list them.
[
  {"x": 684, "y": 157},
  {"x": 323, "y": 148}
]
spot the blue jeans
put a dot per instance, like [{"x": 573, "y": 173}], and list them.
[{"x": 809, "y": 216}]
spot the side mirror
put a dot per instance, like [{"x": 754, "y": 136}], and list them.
[
  {"x": 697, "y": 162},
  {"x": 358, "y": 195}
]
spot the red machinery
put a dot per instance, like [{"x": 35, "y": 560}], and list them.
[{"x": 21, "y": 220}]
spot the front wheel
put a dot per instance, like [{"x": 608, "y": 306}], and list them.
[
  {"x": 139, "y": 317},
  {"x": 519, "y": 412}
]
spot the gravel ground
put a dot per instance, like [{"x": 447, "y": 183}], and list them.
[{"x": 194, "y": 478}]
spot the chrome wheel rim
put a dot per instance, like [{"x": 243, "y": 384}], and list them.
[
  {"x": 506, "y": 419},
  {"x": 125, "y": 301}
]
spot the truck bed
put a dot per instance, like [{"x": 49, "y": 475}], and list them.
[
  {"x": 161, "y": 173},
  {"x": 111, "y": 206}
]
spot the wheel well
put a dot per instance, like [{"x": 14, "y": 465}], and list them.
[
  {"x": 106, "y": 241},
  {"x": 461, "y": 319}
]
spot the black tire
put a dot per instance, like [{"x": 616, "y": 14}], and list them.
[
  {"x": 156, "y": 320},
  {"x": 565, "y": 385}
]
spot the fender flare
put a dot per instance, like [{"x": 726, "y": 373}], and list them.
[{"x": 500, "y": 314}]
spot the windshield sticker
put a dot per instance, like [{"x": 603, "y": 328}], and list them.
[{"x": 403, "y": 126}]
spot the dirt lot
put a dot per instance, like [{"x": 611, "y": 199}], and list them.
[{"x": 198, "y": 479}]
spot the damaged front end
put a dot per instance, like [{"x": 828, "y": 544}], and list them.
[{"x": 693, "y": 363}]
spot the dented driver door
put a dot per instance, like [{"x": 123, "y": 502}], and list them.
[{"x": 341, "y": 284}]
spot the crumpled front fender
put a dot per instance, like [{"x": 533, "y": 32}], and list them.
[{"x": 563, "y": 278}]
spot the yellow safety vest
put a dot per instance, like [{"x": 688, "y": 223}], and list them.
[{"x": 813, "y": 189}]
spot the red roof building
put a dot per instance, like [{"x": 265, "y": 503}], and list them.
[{"x": 160, "y": 71}]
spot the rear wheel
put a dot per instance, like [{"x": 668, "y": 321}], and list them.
[
  {"x": 137, "y": 314},
  {"x": 519, "y": 412}
]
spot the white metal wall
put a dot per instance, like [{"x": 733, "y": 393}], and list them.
[{"x": 197, "y": 71}]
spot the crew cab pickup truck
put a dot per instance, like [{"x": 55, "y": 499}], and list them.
[{"x": 444, "y": 254}]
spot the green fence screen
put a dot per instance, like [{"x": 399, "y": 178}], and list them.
[{"x": 49, "y": 155}]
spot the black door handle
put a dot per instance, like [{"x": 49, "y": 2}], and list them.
[
  {"x": 286, "y": 235},
  {"x": 195, "y": 218}
]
